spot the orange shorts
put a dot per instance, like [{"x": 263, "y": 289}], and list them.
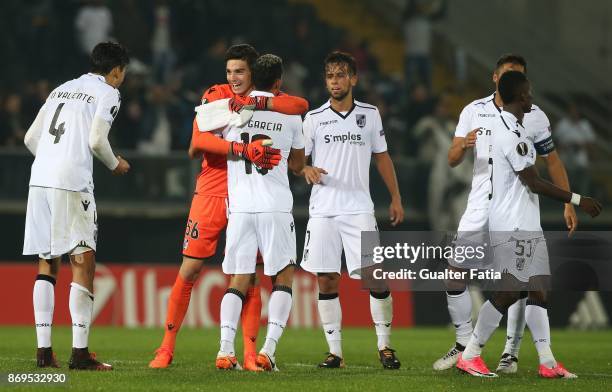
[{"x": 207, "y": 219}]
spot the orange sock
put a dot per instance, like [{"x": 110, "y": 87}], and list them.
[
  {"x": 177, "y": 308},
  {"x": 251, "y": 318}
]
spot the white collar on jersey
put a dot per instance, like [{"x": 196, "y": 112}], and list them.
[
  {"x": 258, "y": 93},
  {"x": 492, "y": 96},
  {"x": 512, "y": 118},
  {"x": 97, "y": 76}
]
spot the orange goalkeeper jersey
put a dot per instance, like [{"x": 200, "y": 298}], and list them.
[{"x": 212, "y": 180}]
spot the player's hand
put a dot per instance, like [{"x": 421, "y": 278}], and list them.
[
  {"x": 396, "y": 211},
  {"x": 590, "y": 206},
  {"x": 122, "y": 168},
  {"x": 571, "y": 220},
  {"x": 251, "y": 103},
  {"x": 470, "y": 139},
  {"x": 313, "y": 174},
  {"x": 237, "y": 105},
  {"x": 259, "y": 152}
]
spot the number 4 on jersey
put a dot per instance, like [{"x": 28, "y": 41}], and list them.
[{"x": 59, "y": 131}]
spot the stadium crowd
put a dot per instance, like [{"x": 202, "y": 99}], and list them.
[{"x": 177, "y": 50}]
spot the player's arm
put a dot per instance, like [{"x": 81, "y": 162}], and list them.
[
  {"x": 98, "y": 134},
  {"x": 530, "y": 177},
  {"x": 311, "y": 174},
  {"x": 259, "y": 151},
  {"x": 558, "y": 175},
  {"x": 385, "y": 167},
  {"x": 285, "y": 104},
  {"x": 212, "y": 94},
  {"x": 545, "y": 147},
  {"x": 465, "y": 137},
  {"x": 460, "y": 145},
  {"x": 34, "y": 133},
  {"x": 101, "y": 148},
  {"x": 297, "y": 155},
  {"x": 296, "y": 161}
]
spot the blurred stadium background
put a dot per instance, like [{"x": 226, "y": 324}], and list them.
[{"x": 419, "y": 61}]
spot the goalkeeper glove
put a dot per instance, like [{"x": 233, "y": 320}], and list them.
[
  {"x": 253, "y": 103},
  {"x": 258, "y": 152}
]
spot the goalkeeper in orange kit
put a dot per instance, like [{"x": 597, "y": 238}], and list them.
[{"x": 208, "y": 215}]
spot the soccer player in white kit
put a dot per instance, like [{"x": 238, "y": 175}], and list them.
[
  {"x": 260, "y": 205},
  {"x": 72, "y": 125},
  {"x": 474, "y": 131},
  {"x": 341, "y": 136},
  {"x": 519, "y": 246}
]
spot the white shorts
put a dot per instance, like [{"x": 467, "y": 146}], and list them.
[
  {"x": 473, "y": 231},
  {"x": 273, "y": 233},
  {"x": 59, "y": 222},
  {"x": 326, "y": 237},
  {"x": 522, "y": 259}
]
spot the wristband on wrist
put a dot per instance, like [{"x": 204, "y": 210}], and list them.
[{"x": 575, "y": 199}]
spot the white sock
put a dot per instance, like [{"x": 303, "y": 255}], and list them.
[
  {"x": 81, "y": 308},
  {"x": 43, "y": 297},
  {"x": 382, "y": 315},
  {"x": 488, "y": 321},
  {"x": 279, "y": 308},
  {"x": 460, "y": 310},
  {"x": 515, "y": 327},
  {"x": 231, "y": 307},
  {"x": 537, "y": 320},
  {"x": 330, "y": 314}
]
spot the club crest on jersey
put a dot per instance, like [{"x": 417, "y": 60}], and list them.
[
  {"x": 361, "y": 120},
  {"x": 520, "y": 263},
  {"x": 522, "y": 149}
]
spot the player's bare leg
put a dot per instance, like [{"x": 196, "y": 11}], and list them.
[
  {"x": 460, "y": 311},
  {"x": 178, "y": 303},
  {"x": 330, "y": 314},
  {"x": 44, "y": 303},
  {"x": 231, "y": 307},
  {"x": 381, "y": 309},
  {"x": 536, "y": 316},
  {"x": 81, "y": 308},
  {"x": 279, "y": 308},
  {"x": 250, "y": 320}
]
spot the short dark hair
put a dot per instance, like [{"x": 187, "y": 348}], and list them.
[
  {"x": 510, "y": 84},
  {"x": 267, "y": 69},
  {"x": 108, "y": 55},
  {"x": 338, "y": 57},
  {"x": 511, "y": 58},
  {"x": 242, "y": 52}
]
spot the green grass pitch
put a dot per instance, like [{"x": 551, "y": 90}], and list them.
[{"x": 589, "y": 354}]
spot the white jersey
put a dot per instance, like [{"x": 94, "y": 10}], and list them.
[
  {"x": 63, "y": 157},
  {"x": 484, "y": 114},
  {"x": 343, "y": 144},
  {"x": 250, "y": 188},
  {"x": 514, "y": 208}
]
